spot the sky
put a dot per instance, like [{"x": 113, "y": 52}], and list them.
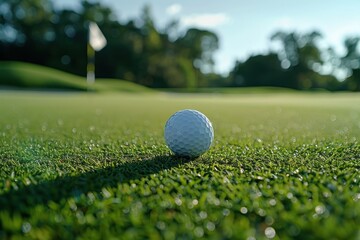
[{"x": 245, "y": 27}]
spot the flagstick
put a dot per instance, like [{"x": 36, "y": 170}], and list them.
[
  {"x": 96, "y": 42},
  {"x": 90, "y": 77}
]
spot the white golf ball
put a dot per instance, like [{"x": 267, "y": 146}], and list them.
[{"x": 189, "y": 133}]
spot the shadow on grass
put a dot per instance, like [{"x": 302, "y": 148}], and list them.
[{"x": 26, "y": 197}]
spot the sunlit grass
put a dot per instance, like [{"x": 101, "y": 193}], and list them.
[{"x": 96, "y": 166}]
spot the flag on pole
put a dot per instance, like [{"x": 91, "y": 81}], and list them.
[
  {"x": 96, "y": 37},
  {"x": 97, "y": 41}
]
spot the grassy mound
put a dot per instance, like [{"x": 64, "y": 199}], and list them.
[
  {"x": 31, "y": 76},
  {"x": 26, "y": 75}
]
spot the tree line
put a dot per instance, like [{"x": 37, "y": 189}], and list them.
[
  {"x": 301, "y": 64},
  {"x": 139, "y": 51}
]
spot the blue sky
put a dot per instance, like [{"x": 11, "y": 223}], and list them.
[{"x": 244, "y": 27}]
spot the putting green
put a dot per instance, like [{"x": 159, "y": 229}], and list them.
[{"x": 96, "y": 166}]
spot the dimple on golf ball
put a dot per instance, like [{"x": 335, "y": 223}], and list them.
[{"x": 188, "y": 133}]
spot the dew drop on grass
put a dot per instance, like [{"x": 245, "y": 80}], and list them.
[
  {"x": 210, "y": 226},
  {"x": 226, "y": 212},
  {"x": 106, "y": 193},
  {"x": 72, "y": 205},
  {"x": 80, "y": 217},
  {"x": 326, "y": 194},
  {"x": 226, "y": 180},
  {"x": 357, "y": 197},
  {"x": 203, "y": 215},
  {"x": 269, "y": 220},
  {"x": 26, "y": 227},
  {"x": 320, "y": 209},
  {"x": 91, "y": 197},
  {"x": 272, "y": 202},
  {"x": 261, "y": 212},
  {"x": 289, "y": 195},
  {"x": 178, "y": 201},
  {"x": 27, "y": 182},
  {"x": 270, "y": 232},
  {"x": 199, "y": 232},
  {"x": 243, "y": 210}
]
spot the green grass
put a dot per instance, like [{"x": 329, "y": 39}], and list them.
[
  {"x": 31, "y": 76},
  {"x": 233, "y": 90},
  {"x": 90, "y": 166}
]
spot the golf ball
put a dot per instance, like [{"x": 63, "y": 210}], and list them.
[{"x": 189, "y": 133}]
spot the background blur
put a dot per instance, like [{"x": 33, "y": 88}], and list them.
[{"x": 167, "y": 44}]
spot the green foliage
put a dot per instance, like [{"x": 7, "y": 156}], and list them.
[
  {"x": 260, "y": 70},
  {"x": 139, "y": 53},
  {"x": 199, "y": 45},
  {"x": 299, "y": 54},
  {"x": 351, "y": 62},
  {"x": 297, "y": 65},
  {"x": 283, "y": 166}
]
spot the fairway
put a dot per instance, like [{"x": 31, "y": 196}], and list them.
[{"x": 95, "y": 166}]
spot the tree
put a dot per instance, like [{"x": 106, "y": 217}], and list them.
[
  {"x": 259, "y": 70},
  {"x": 26, "y": 29},
  {"x": 199, "y": 45},
  {"x": 299, "y": 55},
  {"x": 34, "y": 31},
  {"x": 351, "y": 62}
]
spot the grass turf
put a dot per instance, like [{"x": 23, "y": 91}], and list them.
[
  {"x": 31, "y": 76},
  {"x": 96, "y": 166}
]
